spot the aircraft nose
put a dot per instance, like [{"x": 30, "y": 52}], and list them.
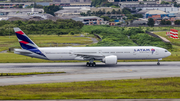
[{"x": 169, "y": 53}]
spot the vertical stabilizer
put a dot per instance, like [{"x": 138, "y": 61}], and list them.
[
  {"x": 24, "y": 40},
  {"x": 26, "y": 43}
]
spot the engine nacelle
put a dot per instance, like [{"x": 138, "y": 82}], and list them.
[{"x": 110, "y": 60}]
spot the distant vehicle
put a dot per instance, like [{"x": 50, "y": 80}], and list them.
[{"x": 107, "y": 55}]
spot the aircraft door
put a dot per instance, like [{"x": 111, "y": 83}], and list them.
[{"x": 135, "y": 54}]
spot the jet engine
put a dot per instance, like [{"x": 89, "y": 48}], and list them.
[{"x": 110, "y": 60}]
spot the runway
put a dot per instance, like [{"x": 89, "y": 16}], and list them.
[{"x": 79, "y": 72}]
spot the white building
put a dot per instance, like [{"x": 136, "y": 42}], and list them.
[
  {"x": 162, "y": 7},
  {"x": 69, "y": 11}
]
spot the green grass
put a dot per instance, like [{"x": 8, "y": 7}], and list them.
[
  {"x": 156, "y": 88},
  {"x": 30, "y": 73},
  {"x": 176, "y": 44},
  {"x": 173, "y": 41},
  {"x": 163, "y": 28},
  {"x": 44, "y": 41}
]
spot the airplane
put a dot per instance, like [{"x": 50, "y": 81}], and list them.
[{"x": 107, "y": 55}]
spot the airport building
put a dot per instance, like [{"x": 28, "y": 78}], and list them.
[
  {"x": 163, "y": 7},
  {"x": 70, "y": 12},
  {"x": 27, "y": 11},
  {"x": 106, "y": 9},
  {"x": 91, "y": 20},
  {"x": 25, "y": 14}
]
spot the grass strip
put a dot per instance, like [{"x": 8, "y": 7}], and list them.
[
  {"x": 31, "y": 73},
  {"x": 155, "y": 88}
]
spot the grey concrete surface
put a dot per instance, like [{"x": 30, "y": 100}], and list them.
[{"x": 79, "y": 72}]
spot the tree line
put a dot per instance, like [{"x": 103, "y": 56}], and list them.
[
  {"x": 151, "y": 22},
  {"x": 41, "y": 27}
]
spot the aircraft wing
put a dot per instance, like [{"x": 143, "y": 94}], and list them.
[{"x": 83, "y": 56}]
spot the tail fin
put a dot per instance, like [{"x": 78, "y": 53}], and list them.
[
  {"x": 24, "y": 40},
  {"x": 26, "y": 43}
]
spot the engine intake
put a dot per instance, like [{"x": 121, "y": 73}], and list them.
[{"x": 110, "y": 60}]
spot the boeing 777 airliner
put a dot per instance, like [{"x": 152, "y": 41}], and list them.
[{"x": 108, "y": 55}]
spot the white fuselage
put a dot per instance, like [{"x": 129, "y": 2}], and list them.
[{"x": 98, "y": 53}]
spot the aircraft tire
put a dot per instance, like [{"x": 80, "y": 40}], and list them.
[
  {"x": 94, "y": 64},
  {"x": 158, "y": 63},
  {"x": 90, "y": 64},
  {"x": 87, "y": 64}
]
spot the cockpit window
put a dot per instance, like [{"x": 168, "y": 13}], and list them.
[{"x": 166, "y": 51}]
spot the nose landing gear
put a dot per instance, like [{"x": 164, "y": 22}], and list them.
[{"x": 159, "y": 61}]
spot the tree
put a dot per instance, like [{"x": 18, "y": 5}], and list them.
[
  {"x": 89, "y": 13},
  {"x": 164, "y": 22},
  {"x": 126, "y": 11},
  {"x": 37, "y": 6},
  {"x": 20, "y": 6},
  {"x": 111, "y": 20},
  {"x": 177, "y": 22},
  {"x": 150, "y": 22},
  {"x": 113, "y": 11},
  {"x": 104, "y": 11},
  {"x": 83, "y": 14},
  {"x": 139, "y": 9},
  {"x": 118, "y": 12},
  {"x": 164, "y": 2},
  {"x": 97, "y": 3},
  {"x": 51, "y": 9},
  {"x": 71, "y": 33},
  {"x": 108, "y": 12},
  {"x": 134, "y": 8},
  {"x": 100, "y": 12},
  {"x": 168, "y": 22},
  {"x": 106, "y": 18},
  {"x": 138, "y": 15}
]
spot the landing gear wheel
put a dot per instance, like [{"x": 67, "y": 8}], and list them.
[
  {"x": 87, "y": 64},
  {"x": 158, "y": 63},
  {"x": 94, "y": 64},
  {"x": 90, "y": 64}
]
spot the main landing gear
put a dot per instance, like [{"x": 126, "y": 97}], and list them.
[
  {"x": 88, "y": 64},
  {"x": 91, "y": 63}
]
